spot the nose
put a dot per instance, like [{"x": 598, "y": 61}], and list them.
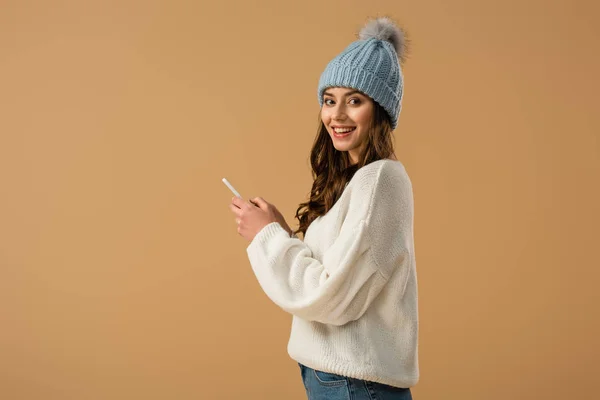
[{"x": 339, "y": 113}]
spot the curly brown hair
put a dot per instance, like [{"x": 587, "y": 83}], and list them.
[{"x": 332, "y": 169}]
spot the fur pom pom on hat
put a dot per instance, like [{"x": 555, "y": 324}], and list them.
[
  {"x": 372, "y": 66},
  {"x": 384, "y": 28}
]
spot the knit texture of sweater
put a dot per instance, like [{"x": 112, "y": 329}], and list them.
[{"x": 351, "y": 284}]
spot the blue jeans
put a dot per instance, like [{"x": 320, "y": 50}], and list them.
[{"x": 321, "y": 385}]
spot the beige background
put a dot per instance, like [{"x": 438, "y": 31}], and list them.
[{"x": 122, "y": 275}]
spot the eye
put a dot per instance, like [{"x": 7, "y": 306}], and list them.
[
  {"x": 356, "y": 100},
  {"x": 326, "y": 101}
]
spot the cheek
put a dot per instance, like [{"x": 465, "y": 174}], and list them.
[
  {"x": 363, "y": 117},
  {"x": 325, "y": 116}
]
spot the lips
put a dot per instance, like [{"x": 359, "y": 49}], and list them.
[{"x": 342, "y": 131}]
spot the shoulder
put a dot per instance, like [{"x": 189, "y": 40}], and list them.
[
  {"x": 385, "y": 165},
  {"x": 394, "y": 174},
  {"x": 390, "y": 190},
  {"x": 381, "y": 186},
  {"x": 391, "y": 168},
  {"x": 384, "y": 175}
]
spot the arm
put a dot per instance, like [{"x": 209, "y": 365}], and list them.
[{"x": 354, "y": 269}]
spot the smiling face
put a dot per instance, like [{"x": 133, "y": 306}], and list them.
[{"x": 347, "y": 114}]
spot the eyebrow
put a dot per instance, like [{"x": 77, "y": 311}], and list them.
[{"x": 347, "y": 94}]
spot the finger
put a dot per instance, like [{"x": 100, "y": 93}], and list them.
[
  {"x": 238, "y": 202},
  {"x": 260, "y": 202},
  {"x": 235, "y": 209}
]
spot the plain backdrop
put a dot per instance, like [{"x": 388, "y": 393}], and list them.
[{"x": 122, "y": 275}]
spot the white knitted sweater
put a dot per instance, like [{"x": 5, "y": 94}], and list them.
[{"x": 351, "y": 285}]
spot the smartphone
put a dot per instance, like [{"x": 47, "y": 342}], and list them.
[
  {"x": 235, "y": 192},
  {"x": 230, "y": 186}
]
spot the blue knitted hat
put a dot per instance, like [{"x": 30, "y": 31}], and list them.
[{"x": 372, "y": 66}]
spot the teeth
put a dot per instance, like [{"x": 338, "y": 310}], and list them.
[{"x": 342, "y": 130}]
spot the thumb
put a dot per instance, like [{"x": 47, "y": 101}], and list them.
[{"x": 260, "y": 202}]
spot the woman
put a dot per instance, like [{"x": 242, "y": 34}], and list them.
[{"x": 351, "y": 283}]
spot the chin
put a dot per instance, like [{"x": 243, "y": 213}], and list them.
[{"x": 341, "y": 147}]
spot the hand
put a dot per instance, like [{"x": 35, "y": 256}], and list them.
[
  {"x": 253, "y": 215},
  {"x": 278, "y": 216}
]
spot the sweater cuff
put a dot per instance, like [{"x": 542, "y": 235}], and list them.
[{"x": 266, "y": 233}]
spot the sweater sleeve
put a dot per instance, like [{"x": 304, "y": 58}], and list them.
[{"x": 339, "y": 287}]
